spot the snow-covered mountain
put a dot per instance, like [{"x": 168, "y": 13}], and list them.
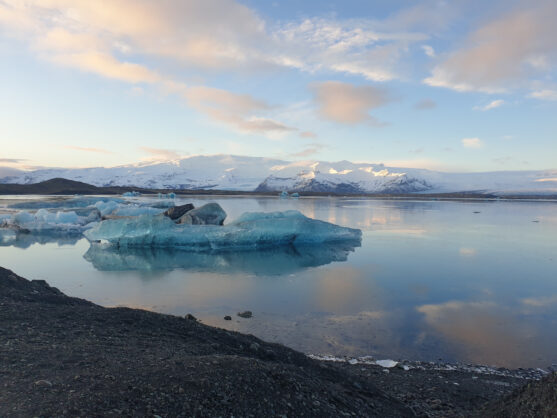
[{"x": 230, "y": 172}]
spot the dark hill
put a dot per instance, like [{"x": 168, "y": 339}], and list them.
[{"x": 59, "y": 186}]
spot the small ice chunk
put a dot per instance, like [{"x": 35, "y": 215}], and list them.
[
  {"x": 284, "y": 194},
  {"x": 131, "y": 194},
  {"x": 295, "y": 195},
  {"x": 353, "y": 361},
  {"x": 386, "y": 363},
  {"x": 106, "y": 208}
]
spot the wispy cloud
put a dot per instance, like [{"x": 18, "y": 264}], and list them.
[
  {"x": 546, "y": 94},
  {"x": 158, "y": 154},
  {"x": 312, "y": 149},
  {"x": 503, "y": 54},
  {"x": 428, "y": 50},
  {"x": 87, "y": 149},
  {"x": 11, "y": 160},
  {"x": 347, "y": 103},
  {"x": 124, "y": 40},
  {"x": 472, "y": 143},
  {"x": 308, "y": 134},
  {"x": 491, "y": 105}
]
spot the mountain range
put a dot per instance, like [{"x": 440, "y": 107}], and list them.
[{"x": 241, "y": 173}]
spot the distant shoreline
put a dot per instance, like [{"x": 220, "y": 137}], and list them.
[{"x": 64, "y": 187}]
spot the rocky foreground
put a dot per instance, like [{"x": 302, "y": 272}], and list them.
[{"x": 62, "y": 356}]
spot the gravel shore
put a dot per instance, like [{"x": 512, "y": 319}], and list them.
[{"x": 63, "y": 356}]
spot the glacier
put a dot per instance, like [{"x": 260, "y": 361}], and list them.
[
  {"x": 241, "y": 173},
  {"x": 252, "y": 230}
]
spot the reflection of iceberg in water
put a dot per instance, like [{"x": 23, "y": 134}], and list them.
[
  {"x": 269, "y": 261},
  {"x": 13, "y": 238}
]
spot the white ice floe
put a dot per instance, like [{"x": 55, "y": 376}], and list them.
[
  {"x": 386, "y": 363},
  {"x": 249, "y": 231}
]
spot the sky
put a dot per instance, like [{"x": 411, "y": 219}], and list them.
[{"x": 447, "y": 85}]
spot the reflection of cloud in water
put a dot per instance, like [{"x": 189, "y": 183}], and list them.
[
  {"x": 485, "y": 333},
  {"x": 345, "y": 289},
  {"x": 540, "y": 302},
  {"x": 11, "y": 238},
  {"x": 274, "y": 261},
  {"x": 467, "y": 252}
]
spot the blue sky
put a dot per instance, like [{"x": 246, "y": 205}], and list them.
[{"x": 455, "y": 86}]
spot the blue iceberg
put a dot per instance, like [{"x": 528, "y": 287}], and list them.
[
  {"x": 44, "y": 221},
  {"x": 250, "y": 231}
]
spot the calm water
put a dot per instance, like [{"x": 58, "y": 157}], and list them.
[{"x": 432, "y": 280}]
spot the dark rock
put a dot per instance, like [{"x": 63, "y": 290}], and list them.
[
  {"x": 228, "y": 318},
  {"x": 178, "y": 211},
  {"x": 190, "y": 317},
  {"x": 45, "y": 383},
  {"x": 245, "y": 314},
  {"x": 209, "y": 214}
]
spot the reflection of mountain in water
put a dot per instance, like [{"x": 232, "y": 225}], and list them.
[
  {"x": 277, "y": 261},
  {"x": 10, "y": 237}
]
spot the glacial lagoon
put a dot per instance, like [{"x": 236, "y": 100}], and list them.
[{"x": 456, "y": 281}]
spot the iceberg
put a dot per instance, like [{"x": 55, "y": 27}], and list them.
[
  {"x": 250, "y": 231},
  {"x": 45, "y": 221}
]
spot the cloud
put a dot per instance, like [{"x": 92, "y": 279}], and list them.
[
  {"x": 125, "y": 40},
  {"x": 158, "y": 154},
  {"x": 312, "y": 149},
  {"x": 87, "y": 149},
  {"x": 308, "y": 134},
  {"x": 504, "y": 53},
  {"x": 491, "y": 105},
  {"x": 549, "y": 179},
  {"x": 472, "y": 143},
  {"x": 11, "y": 160},
  {"x": 428, "y": 50},
  {"x": 347, "y": 103},
  {"x": 546, "y": 94},
  {"x": 540, "y": 301},
  {"x": 425, "y": 104},
  {"x": 216, "y": 35},
  {"x": 8, "y": 171},
  {"x": 467, "y": 252},
  {"x": 238, "y": 110}
]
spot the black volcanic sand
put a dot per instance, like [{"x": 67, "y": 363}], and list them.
[{"x": 62, "y": 356}]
